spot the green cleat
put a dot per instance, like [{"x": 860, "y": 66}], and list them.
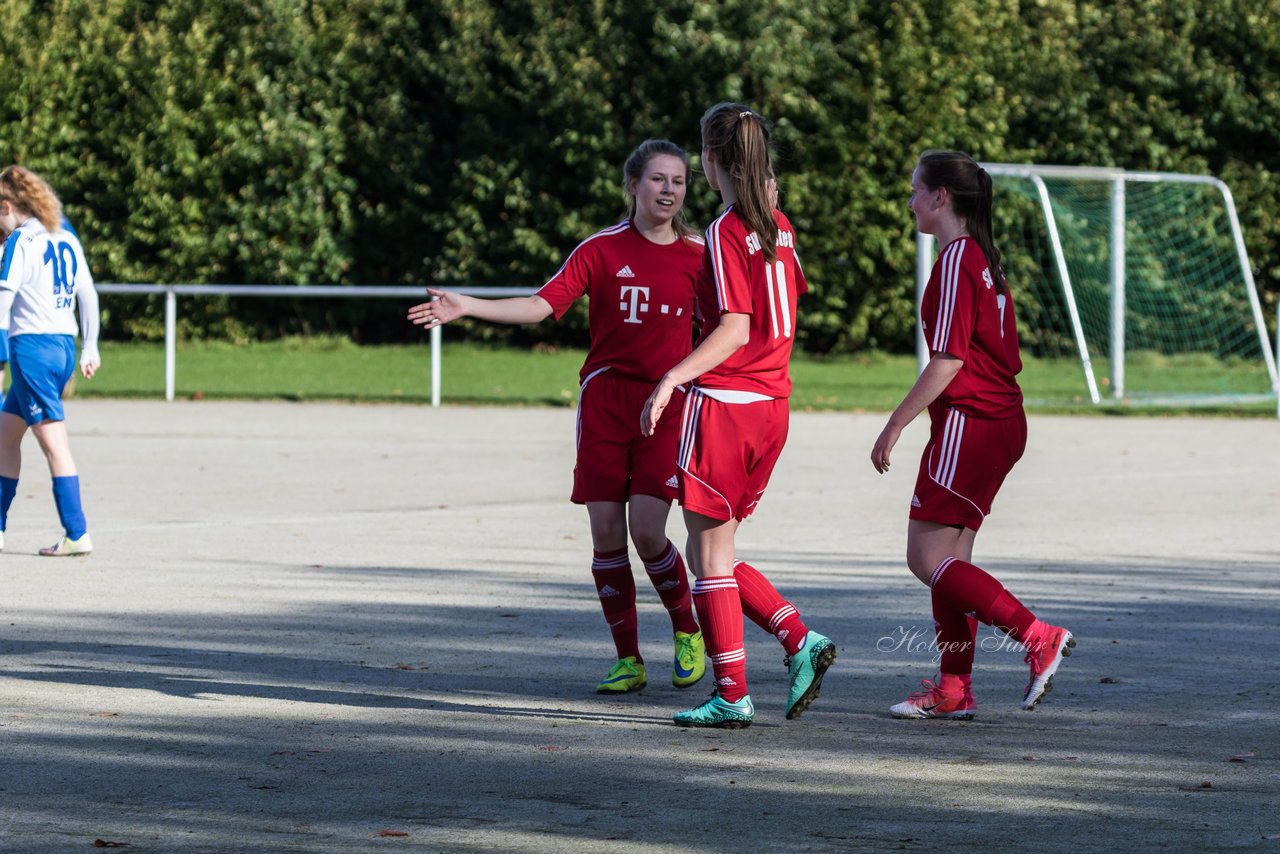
[
  {"x": 625, "y": 676},
  {"x": 690, "y": 661},
  {"x": 807, "y": 667},
  {"x": 719, "y": 713}
]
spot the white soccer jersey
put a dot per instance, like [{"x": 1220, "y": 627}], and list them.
[{"x": 48, "y": 274}]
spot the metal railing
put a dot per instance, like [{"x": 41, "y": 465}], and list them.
[{"x": 172, "y": 292}]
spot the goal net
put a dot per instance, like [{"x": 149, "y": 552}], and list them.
[{"x": 1141, "y": 280}]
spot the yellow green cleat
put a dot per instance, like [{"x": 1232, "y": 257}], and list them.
[
  {"x": 625, "y": 676},
  {"x": 690, "y": 662}
]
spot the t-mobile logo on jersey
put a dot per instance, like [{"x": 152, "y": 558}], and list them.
[{"x": 635, "y": 300}]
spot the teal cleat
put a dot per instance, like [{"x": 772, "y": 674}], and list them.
[
  {"x": 807, "y": 667},
  {"x": 716, "y": 712},
  {"x": 690, "y": 662}
]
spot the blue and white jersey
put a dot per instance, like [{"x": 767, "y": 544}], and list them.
[{"x": 48, "y": 275}]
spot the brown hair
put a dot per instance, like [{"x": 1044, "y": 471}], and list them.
[
  {"x": 970, "y": 188},
  {"x": 26, "y": 190},
  {"x": 739, "y": 138},
  {"x": 633, "y": 170}
]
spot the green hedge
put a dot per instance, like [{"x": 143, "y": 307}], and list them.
[{"x": 473, "y": 142}]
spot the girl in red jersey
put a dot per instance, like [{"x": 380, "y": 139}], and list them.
[
  {"x": 640, "y": 276},
  {"x": 979, "y": 430},
  {"x": 734, "y": 420}
]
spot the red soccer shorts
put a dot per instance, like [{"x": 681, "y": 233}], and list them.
[
  {"x": 727, "y": 453},
  {"x": 614, "y": 460},
  {"x": 963, "y": 466}
]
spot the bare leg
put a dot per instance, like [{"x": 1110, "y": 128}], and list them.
[
  {"x": 711, "y": 550},
  {"x": 12, "y": 429},
  {"x": 52, "y": 436},
  {"x": 608, "y": 525},
  {"x": 647, "y": 518},
  {"x": 929, "y": 543}
]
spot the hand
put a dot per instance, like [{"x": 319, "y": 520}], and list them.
[
  {"x": 90, "y": 367},
  {"x": 444, "y": 307},
  {"x": 654, "y": 406},
  {"x": 883, "y": 446}
]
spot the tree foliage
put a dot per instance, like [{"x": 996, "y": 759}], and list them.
[{"x": 476, "y": 142}]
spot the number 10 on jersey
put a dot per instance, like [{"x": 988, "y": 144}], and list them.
[{"x": 60, "y": 259}]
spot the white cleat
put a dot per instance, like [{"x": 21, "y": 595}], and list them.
[{"x": 68, "y": 547}]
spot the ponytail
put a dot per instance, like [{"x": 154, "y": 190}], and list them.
[
  {"x": 971, "y": 193},
  {"x": 739, "y": 138}
]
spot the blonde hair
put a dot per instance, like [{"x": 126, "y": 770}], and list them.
[
  {"x": 739, "y": 138},
  {"x": 28, "y": 192}
]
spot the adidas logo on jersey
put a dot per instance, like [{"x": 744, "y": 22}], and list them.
[
  {"x": 625, "y": 273},
  {"x": 672, "y": 482}
]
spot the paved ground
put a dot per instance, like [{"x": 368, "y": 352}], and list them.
[{"x": 308, "y": 627}]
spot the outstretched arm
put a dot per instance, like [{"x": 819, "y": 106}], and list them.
[
  {"x": 935, "y": 378},
  {"x": 447, "y": 306}
]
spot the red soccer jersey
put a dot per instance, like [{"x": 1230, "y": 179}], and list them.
[
  {"x": 737, "y": 279},
  {"x": 964, "y": 314},
  {"x": 642, "y": 299}
]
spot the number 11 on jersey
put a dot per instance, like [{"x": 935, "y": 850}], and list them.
[{"x": 775, "y": 276}]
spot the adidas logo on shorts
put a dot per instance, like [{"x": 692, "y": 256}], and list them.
[
  {"x": 672, "y": 482},
  {"x": 625, "y": 273},
  {"x": 915, "y": 501}
]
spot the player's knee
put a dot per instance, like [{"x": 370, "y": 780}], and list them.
[
  {"x": 608, "y": 534},
  {"x": 920, "y": 565},
  {"x": 649, "y": 541}
]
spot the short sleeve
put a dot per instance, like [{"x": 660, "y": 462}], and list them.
[
  {"x": 730, "y": 270},
  {"x": 949, "y": 307},
  {"x": 802, "y": 284},
  {"x": 571, "y": 281},
  {"x": 10, "y": 266},
  {"x": 83, "y": 276}
]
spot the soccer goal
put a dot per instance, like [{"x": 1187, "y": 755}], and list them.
[{"x": 1141, "y": 278}]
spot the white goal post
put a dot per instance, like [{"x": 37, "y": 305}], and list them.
[{"x": 1075, "y": 228}]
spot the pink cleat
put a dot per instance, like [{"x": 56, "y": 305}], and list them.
[
  {"x": 1044, "y": 654},
  {"x": 933, "y": 703}
]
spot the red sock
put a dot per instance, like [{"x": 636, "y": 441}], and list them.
[
  {"x": 976, "y": 592},
  {"x": 954, "y": 685},
  {"x": 720, "y": 612},
  {"x": 957, "y": 636},
  {"x": 617, "y": 591},
  {"x": 670, "y": 579},
  {"x": 764, "y": 605}
]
